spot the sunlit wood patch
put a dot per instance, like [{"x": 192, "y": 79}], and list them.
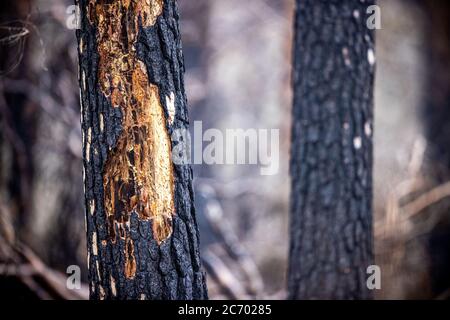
[{"x": 130, "y": 260}]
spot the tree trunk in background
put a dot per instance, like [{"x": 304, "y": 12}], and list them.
[
  {"x": 437, "y": 101},
  {"x": 141, "y": 227},
  {"x": 436, "y": 115},
  {"x": 331, "y": 153}
]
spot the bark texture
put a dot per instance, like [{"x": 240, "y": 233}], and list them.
[
  {"x": 141, "y": 228},
  {"x": 331, "y": 156}
]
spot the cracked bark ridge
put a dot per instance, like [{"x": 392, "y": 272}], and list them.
[
  {"x": 143, "y": 240},
  {"x": 331, "y": 153}
]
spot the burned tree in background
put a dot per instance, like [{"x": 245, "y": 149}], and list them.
[
  {"x": 436, "y": 115},
  {"x": 142, "y": 233},
  {"x": 331, "y": 152},
  {"x": 437, "y": 101}
]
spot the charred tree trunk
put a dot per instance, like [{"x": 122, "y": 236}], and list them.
[
  {"x": 142, "y": 233},
  {"x": 331, "y": 156}
]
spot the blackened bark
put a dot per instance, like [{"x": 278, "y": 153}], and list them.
[
  {"x": 331, "y": 156},
  {"x": 166, "y": 268}
]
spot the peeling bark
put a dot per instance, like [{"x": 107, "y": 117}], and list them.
[
  {"x": 141, "y": 228},
  {"x": 331, "y": 152}
]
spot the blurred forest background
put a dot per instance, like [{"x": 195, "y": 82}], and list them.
[{"x": 238, "y": 63}]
